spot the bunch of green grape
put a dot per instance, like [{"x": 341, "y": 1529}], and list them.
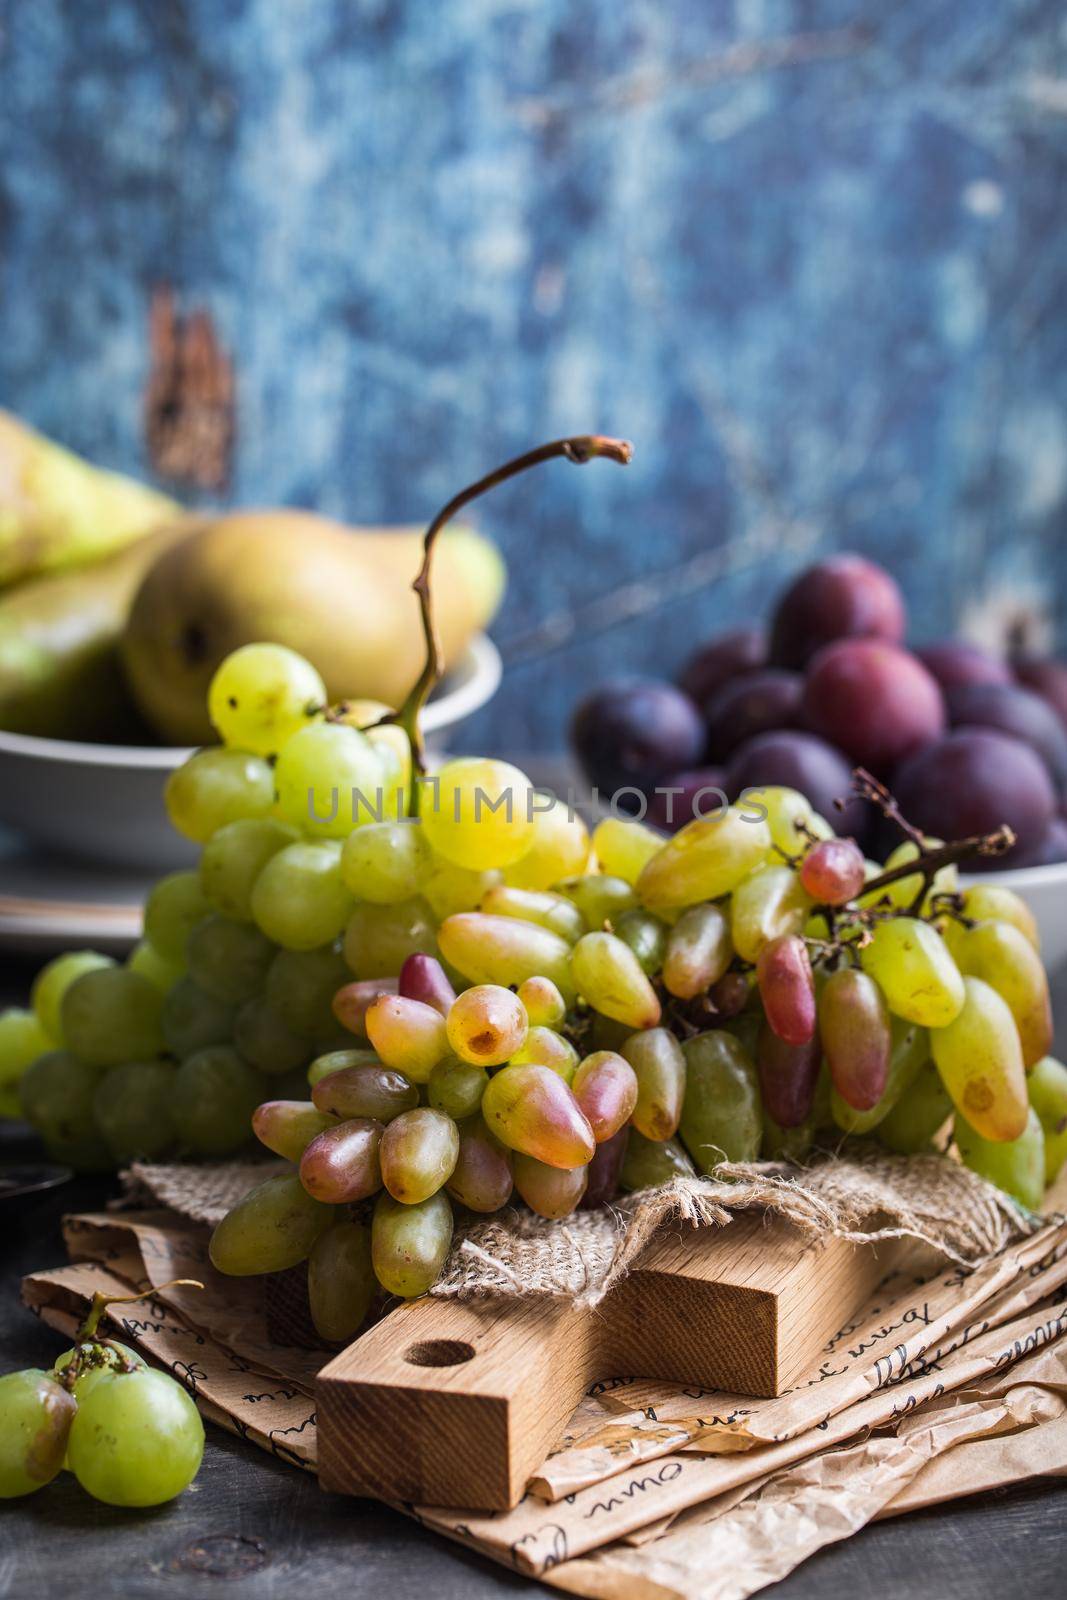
[
  {"x": 129, "y": 1434},
  {"x": 446, "y": 993}
]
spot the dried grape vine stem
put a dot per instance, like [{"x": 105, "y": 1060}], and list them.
[{"x": 86, "y": 1340}]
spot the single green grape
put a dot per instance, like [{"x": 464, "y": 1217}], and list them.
[
  {"x": 504, "y": 950},
  {"x": 448, "y": 889},
  {"x": 456, "y": 1087},
  {"x": 36, "y": 1414},
  {"x": 610, "y": 977},
  {"x": 385, "y": 862},
  {"x": 98, "y": 1358},
  {"x": 550, "y": 910},
  {"x": 648, "y": 1163},
  {"x": 132, "y": 1110},
  {"x": 1047, "y": 1089},
  {"x": 341, "y": 1281},
  {"x": 329, "y": 778},
  {"x": 300, "y": 899},
  {"x": 379, "y": 939},
  {"x": 1017, "y": 1166},
  {"x": 288, "y": 1126},
  {"x": 229, "y": 960},
  {"x": 647, "y": 937},
  {"x": 233, "y": 859},
  {"x": 22, "y": 1040},
  {"x": 266, "y": 1042},
  {"x": 707, "y": 858},
  {"x": 52, "y": 983},
  {"x": 559, "y": 848},
  {"x": 192, "y": 1019},
  {"x": 722, "y": 1115},
  {"x": 600, "y": 898},
  {"x": 57, "y": 1097},
  {"x": 300, "y": 988},
  {"x": 214, "y": 1096},
  {"x": 160, "y": 972},
  {"x": 112, "y": 1015},
  {"x": 215, "y": 787},
  {"x": 273, "y": 1227},
  {"x": 478, "y": 812},
  {"x": 261, "y": 695},
  {"x": 172, "y": 911},
  {"x": 136, "y": 1440},
  {"x": 409, "y": 1244},
  {"x": 925, "y": 1106},
  {"x": 624, "y": 848},
  {"x": 789, "y": 815},
  {"x": 918, "y": 976}
]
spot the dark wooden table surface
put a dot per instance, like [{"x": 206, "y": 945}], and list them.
[{"x": 253, "y": 1528}]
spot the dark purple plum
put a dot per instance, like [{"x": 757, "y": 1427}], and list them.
[
  {"x": 631, "y": 732},
  {"x": 844, "y": 597},
  {"x": 956, "y": 662},
  {"x": 873, "y": 700},
  {"x": 972, "y": 781},
  {"x": 756, "y": 702},
  {"x": 1049, "y": 851},
  {"x": 1017, "y": 711},
  {"x": 800, "y": 761},
  {"x": 1046, "y": 677},
  {"x": 719, "y": 660},
  {"x": 700, "y": 792}
]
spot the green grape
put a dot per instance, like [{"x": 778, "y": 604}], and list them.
[
  {"x": 409, "y": 1244},
  {"x": 353, "y": 1083},
  {"x": 270, "y": 1229},
  {"x": 265, "y": 1041},
  {"x": 659, "y": 1065},
  {"x": 233, "y": 859},
  {"x": 504, "y": 950},
  {"x": 385, "y": 862},
  {"x": 543, "y": 1047},
  {"x": 647, "y": 937},
  {"x": 486, "y": 1024},
  {"x": 35, "y": 1421},
  {"x": 988, "y": 902},
  {"x": 560, "y": 846},
  {"x": 448, "y": 889},
  {"x": 920, "y": 981},
  {"x": 1017, "y": 1166},
  {"x": 172, "y": 911},
  {"x": 228, "y": 959},
  {"x": 97, "y": 1359},
  {"x": 532, "y": 1110},
  {"x": 552, "y": 1192},
  {"x": 192, "y": 1019},
  {"x": 57, "y": 1097},
  {"x": 600, "y": 898},
  {"x": 790, "y": 817},
  {"x": 770, "y": 903},
  {"x": 787, "y": 1144},
  {"x": 288, "y": 1126},
  {"x": 699, "y": 951},
  {"x": 300, "y": 900},
  {"x": 379, "y": 939},
  {"x": 136, "y": 1440},
  {"x": 112, "y": 1015},
  {"x": 456, "y": 1087},
  {"x": 482, "y": 1179},
  {"x": 903, "y": 893},
  {"x": 909, "y": 1127},
  {"x": 300, "y": 988},
  {"x": 1004, "y": 958},
  {"x": 22, "y": 1040},
  {"x": 418, "y": 1152},
  {"x": 1047, "y": 1089},
  {"x": 408, "y": 1035},
  {"x": 215, "y": 787},
  {"x": 342, "y": 1164},
  {"x": 215, "y": 1094},
  {"x": 909, "y": 1050},
  {"x": 608, "y": 974},
  {"x": 478, "y": 812},
  {"x": 544, "y": 1005},
  {"x": 707, "y": 858},
  {"x": 132, "y": 1110},
  {"x": 145, "y": 959},
  {"x": 329, "y": 779},
  {"x": 341, "y": 1281},
  {"x": 605, "y": 1087},
  {"x": 980, "y": 1061},
  {"x": 52, "y": 983},
  {"x": 261, "y": 695},
  {"x": 553, "y": 911},
  {"x": 648, "y": 1163},
  {"x": 624, "y": 849},
  {"x": 722, "y": 1118}
]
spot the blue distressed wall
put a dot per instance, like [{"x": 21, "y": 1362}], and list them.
[{"x": 808, "y": 254}]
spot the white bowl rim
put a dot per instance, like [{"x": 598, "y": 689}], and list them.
[
  {"x": 1022, "y": 878},
  {"x": 479, "y": 670}
]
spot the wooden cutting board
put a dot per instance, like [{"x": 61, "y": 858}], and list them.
[{"x": 456, "y": 1403}]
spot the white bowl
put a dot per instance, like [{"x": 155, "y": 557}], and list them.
[
  {"x": 1045, "y": 891},
  {"x": 100, "y": 802}
]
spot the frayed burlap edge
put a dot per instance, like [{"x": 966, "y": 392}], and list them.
[{"x": 869, "y": 1196}]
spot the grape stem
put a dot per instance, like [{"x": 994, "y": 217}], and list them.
[
  {"x": 580, "y": 449},
  {"x": 930, "y": 862},
  {"x": 86, "y": 1343}
]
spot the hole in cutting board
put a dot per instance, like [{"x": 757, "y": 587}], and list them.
[{"x": 439, "y": 1353}]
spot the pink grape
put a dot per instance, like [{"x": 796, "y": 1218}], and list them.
[
  {"x": 605, "y": 1170},
  {"x": 605, "y": 1086},
  {"x": 787, "y": 1077},
  {"x": 341, "y": 1165},
  {"x": 787, "y": 989},
  {"x": 424, "y": 978},
  {"x": 833, "y": 871}
]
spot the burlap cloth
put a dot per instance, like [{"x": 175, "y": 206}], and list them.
[{"x": 867, "y": 1196}]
